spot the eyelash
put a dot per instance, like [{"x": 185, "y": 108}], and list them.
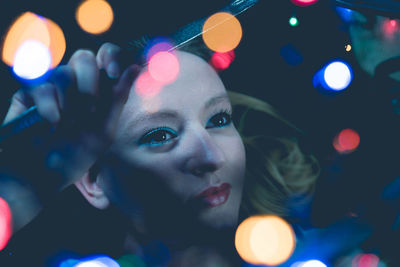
[{"x": 150, "y": 136}]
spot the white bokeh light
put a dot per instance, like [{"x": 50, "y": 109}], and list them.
[
  {"x": 32, "y": 60},
  {"x": 337, "y": 75},
  {"x": 313, "y": 263}
]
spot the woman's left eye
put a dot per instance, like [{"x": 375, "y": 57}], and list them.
[{"x": 219, "y": 120}]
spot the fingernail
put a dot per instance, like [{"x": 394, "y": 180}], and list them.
[{"x": 113, "y": 70}]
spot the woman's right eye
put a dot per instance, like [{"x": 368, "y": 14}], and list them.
[{"x": 158, "y": 136}]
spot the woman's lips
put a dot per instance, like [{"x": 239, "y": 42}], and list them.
[{"x": 215, "y": 195}]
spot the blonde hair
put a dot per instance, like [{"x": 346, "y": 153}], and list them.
[{"x": 277, "y": 170}]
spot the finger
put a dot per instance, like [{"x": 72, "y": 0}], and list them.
[
  {"x": 45, "y": 98},
  {"x": 86, "y": 72},
  {"x": 62, "y": 78},
  {"x": 108, "y": 58},
  {"x": 122, "y": 88},
  {"x": 19, "y": 103}
]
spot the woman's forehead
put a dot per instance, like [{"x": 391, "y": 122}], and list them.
[{"x": 196, "y": 81}]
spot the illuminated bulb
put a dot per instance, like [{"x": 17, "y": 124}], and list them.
[
  {"x": 337, "y": 76},
  {"x": 32, "y": 60},
  {"x": 222, "y": 32},
  {"x": 293, "y": 21},
  {"x": 5, "y": 223},
  {"x": 304, "y": 2},
  {"x": 264, "y": 240},
  {"x": 313, "y": 263},
  {"x": 346, "y": 141},
  {"x": 95, "y": 16},
  {"x": 164, "y": 67},
  {"x": 348, "y": 47}
]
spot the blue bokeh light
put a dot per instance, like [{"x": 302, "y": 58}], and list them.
[{"x": 335, "y": 76}]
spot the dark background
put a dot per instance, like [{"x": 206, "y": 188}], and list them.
[{"x": 260, "y": 69}]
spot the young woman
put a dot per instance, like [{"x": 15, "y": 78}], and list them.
[{"x": 173, "y": 163}]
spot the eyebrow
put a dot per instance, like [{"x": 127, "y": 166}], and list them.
[
  {"x": 215, "y": 100},
  {"x": 172, "y": 114}
]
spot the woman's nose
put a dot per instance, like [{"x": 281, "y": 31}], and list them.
[{"x": 205, "y": 154}]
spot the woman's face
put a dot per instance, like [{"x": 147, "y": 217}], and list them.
[{"x": 183, "y": 138}]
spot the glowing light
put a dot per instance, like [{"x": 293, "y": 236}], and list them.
[
  {"x": 157, "y": 45},
  {"x": 293, "y": 21},
  {"x": 98, "y": 261},
  {"x": 146, "y": 86},
  {"x": 337, "y": 75},
  {"x": 264, "y": 240},
  {"x": 365, "y": 260},
  {"x": 31, "y": 27},
  {"x": 164, "y": 67},
  {"x": 222, "y": 32},
  {"x": 221, "y": 61},
  {"x": 94, "y": 16},
  {"x": 389, "y": 27},
  {"x": 5, "y": 223},
  {"x": 344, "y": 13},
  {"x": 346, "y": 141},
  {"x": 304, "y": 2},
  {"x": 347, "y": 47},
  {"x": 32, "y": 60},
  {"x": 313, "y": 263}
]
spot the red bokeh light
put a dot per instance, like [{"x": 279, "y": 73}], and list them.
[
  {"x": 221, "y": 61},
  {"x": 5, "y": 223},
  {"x": 164, "y": 67},
  {"x": 365, "y": 260},
  {"x": 389, "y": 27},
  {"x": 304, "y": 2},
  {"x": 146, "y": 86},
  {"x": 346, "y": 141}
]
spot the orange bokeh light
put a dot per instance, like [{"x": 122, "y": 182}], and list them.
[
  {"x": 265, "y": 240},
  {"x": 95, "y": 16},
  {"x": 222, "y": 32},
  {"x": 31, "y": 27}
]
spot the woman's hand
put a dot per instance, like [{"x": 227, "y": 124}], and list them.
[{"x": 82, "y": 105}]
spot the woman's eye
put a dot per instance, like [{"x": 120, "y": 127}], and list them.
[
  {"x": 219, "y": 120},
  {"x": 157, "y": 136}
]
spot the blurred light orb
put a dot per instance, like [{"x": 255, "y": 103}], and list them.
[
  {"x": 95, "y": 16},
  {"x": 164, "y": 67},
  {"x": 32, "y": 60},
  {"x": 221, "y": 61},
  {"x": 293, "y": 21},
  {"x": 264, "y": 240},
  {"x": 337, "y": 75},
  {"x": 99, "y": 261},
  {"x": 146, "y": 86},
  {"x": 389, "y": 27},
  {"x": 222, "y": 32},
  {"x": 304, "y": 2},
  {"x": 365, "y": 260},
  {"x": 348, "y": 47},
  {"x": 345, "y": 14},
  {"x": 346, "y": 141},
  {"x": 31, "y": 27},
  {"x": 5, "y": 223},
  {"x": 156, "y": 45},
  {"x": 313, "y": 263}
]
